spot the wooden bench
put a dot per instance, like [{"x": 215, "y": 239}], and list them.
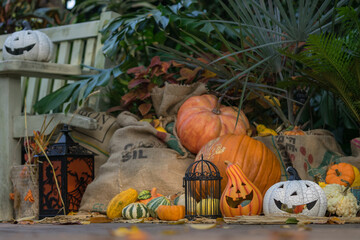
[{"x": 74, "y": 44}]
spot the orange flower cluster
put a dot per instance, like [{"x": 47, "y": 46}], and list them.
[{"x": 29, "y": 197}]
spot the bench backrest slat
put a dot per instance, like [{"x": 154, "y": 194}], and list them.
[{"x": 73, "y": 44}]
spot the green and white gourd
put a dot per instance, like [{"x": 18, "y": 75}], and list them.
[
  {"x": 153, "y": 204},
  {"x": 135, "y": 211},
  {"x": 145, "y": 194},
  {"x": 180, "y": 200}
]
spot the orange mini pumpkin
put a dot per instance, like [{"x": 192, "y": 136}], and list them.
[
  {"x": 241, "y": 196},
  {"x": 341, "y": 173},
  {"x": 202, "y": 118},
  {"x": 171, "y": 213},
  {"x": 296, "y": 131}
]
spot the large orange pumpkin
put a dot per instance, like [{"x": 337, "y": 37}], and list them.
[
  {"x": 202, "y": 118},
  {"x": 241, "y": 196},
  {"x": 257, "y": 161}
]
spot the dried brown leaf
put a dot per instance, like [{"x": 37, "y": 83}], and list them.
[
  {"x": 100, "y": 220},
  {"x": 335, "y": 220},
  {"x": 132, "y": 233},
  {"x": 203, "y": 226}
]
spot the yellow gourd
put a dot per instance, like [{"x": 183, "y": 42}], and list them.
[
  {"x": 264, "y": 131},
  {"x": 208, "y": 207},
  {"x": 120, "y": 201},
  {"x": 356, "y": 182}
]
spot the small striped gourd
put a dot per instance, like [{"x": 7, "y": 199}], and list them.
[
  {"x": 145, "y": 194},
  {"x": 121, "y": 200},
  {"x": 180, "y": 200},
  {"x": 135, "y": 211},
  {"x": 155, "y": 203}
]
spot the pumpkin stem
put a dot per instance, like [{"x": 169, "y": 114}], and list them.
[
  {"x": 228, "y": 163},
  {"x": 294, "y": 175},
  {"x": 153, "y": 192},
  {"x": 26, "y": 25},
  {"x": 338, "y": 173},
  {"x": 347, "y": 186},
  {"x": 216, "y": 110}
]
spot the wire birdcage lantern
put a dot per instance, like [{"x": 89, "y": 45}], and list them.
[{"x": 202, "y": 183}]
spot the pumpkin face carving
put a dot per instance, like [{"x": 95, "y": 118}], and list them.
[
  {"x": 295, "y": 197},
  {"x": 241, "y": 196},
  {"x": 28, "y": 45}
]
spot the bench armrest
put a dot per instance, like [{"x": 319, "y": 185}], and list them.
[{"x": 39, "y": 69}]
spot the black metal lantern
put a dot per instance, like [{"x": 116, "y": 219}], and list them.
[
  {"x": 74, "y": 169},
  {"x": 202, "y": 183}
]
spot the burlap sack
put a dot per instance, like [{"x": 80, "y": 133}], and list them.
[
  {"x": 311, "y": 154},
  {"x": 96, "y": 140},
  {"x": 138, "y": 159},
  {"x": 168, "y": 99}
]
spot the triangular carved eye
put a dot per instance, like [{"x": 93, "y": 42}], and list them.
[
  {"x": 281, "y": 186},
  {"x": 294, "y": 194},
  {"x": 244, "y": 184},
  {"x": 307, "y": 185},
  {"x": 232, "y": 185}
]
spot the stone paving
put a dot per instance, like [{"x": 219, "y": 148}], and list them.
[{"x": 105, "y": 231}]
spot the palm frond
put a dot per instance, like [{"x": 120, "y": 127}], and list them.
[{"x": 330, "y": 62}]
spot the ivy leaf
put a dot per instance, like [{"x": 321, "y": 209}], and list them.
[
  {"x": 291, "y": 220},
  {"x": 175, "y": 8},
  {"x": 163, "y": 21},
  {"x": 207, "y": 29}
]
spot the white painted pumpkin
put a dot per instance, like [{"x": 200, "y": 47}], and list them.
[
  {"x": 295, "y": 196},
  {"x": 28, "y": 45}
]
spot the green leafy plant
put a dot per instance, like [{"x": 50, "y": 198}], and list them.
[
  {"x": 332, "y": 63},
  {"x": 80, "y": 90},
  {"x": 249, "y": 58},
  {"x": 134, "y": 94},
  {"x": 14, "y": 12},
  {"x": 125, "y": 41}
]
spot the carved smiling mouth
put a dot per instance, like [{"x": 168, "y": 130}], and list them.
[
  {"x": 296, "y": 208},
  {"x": 243, "y": 201},
  {"x": 19, "y": 51}
]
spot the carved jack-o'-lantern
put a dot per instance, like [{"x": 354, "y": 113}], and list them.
[
  {"x": 295, "y": 196},
  {"x": 241, "y": 196},
  {"x": 28, "y": 45}
]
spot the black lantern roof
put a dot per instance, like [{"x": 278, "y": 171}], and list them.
[
  {"x": 66, "y": 146},
  {"x": 202, "y": 170}
]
